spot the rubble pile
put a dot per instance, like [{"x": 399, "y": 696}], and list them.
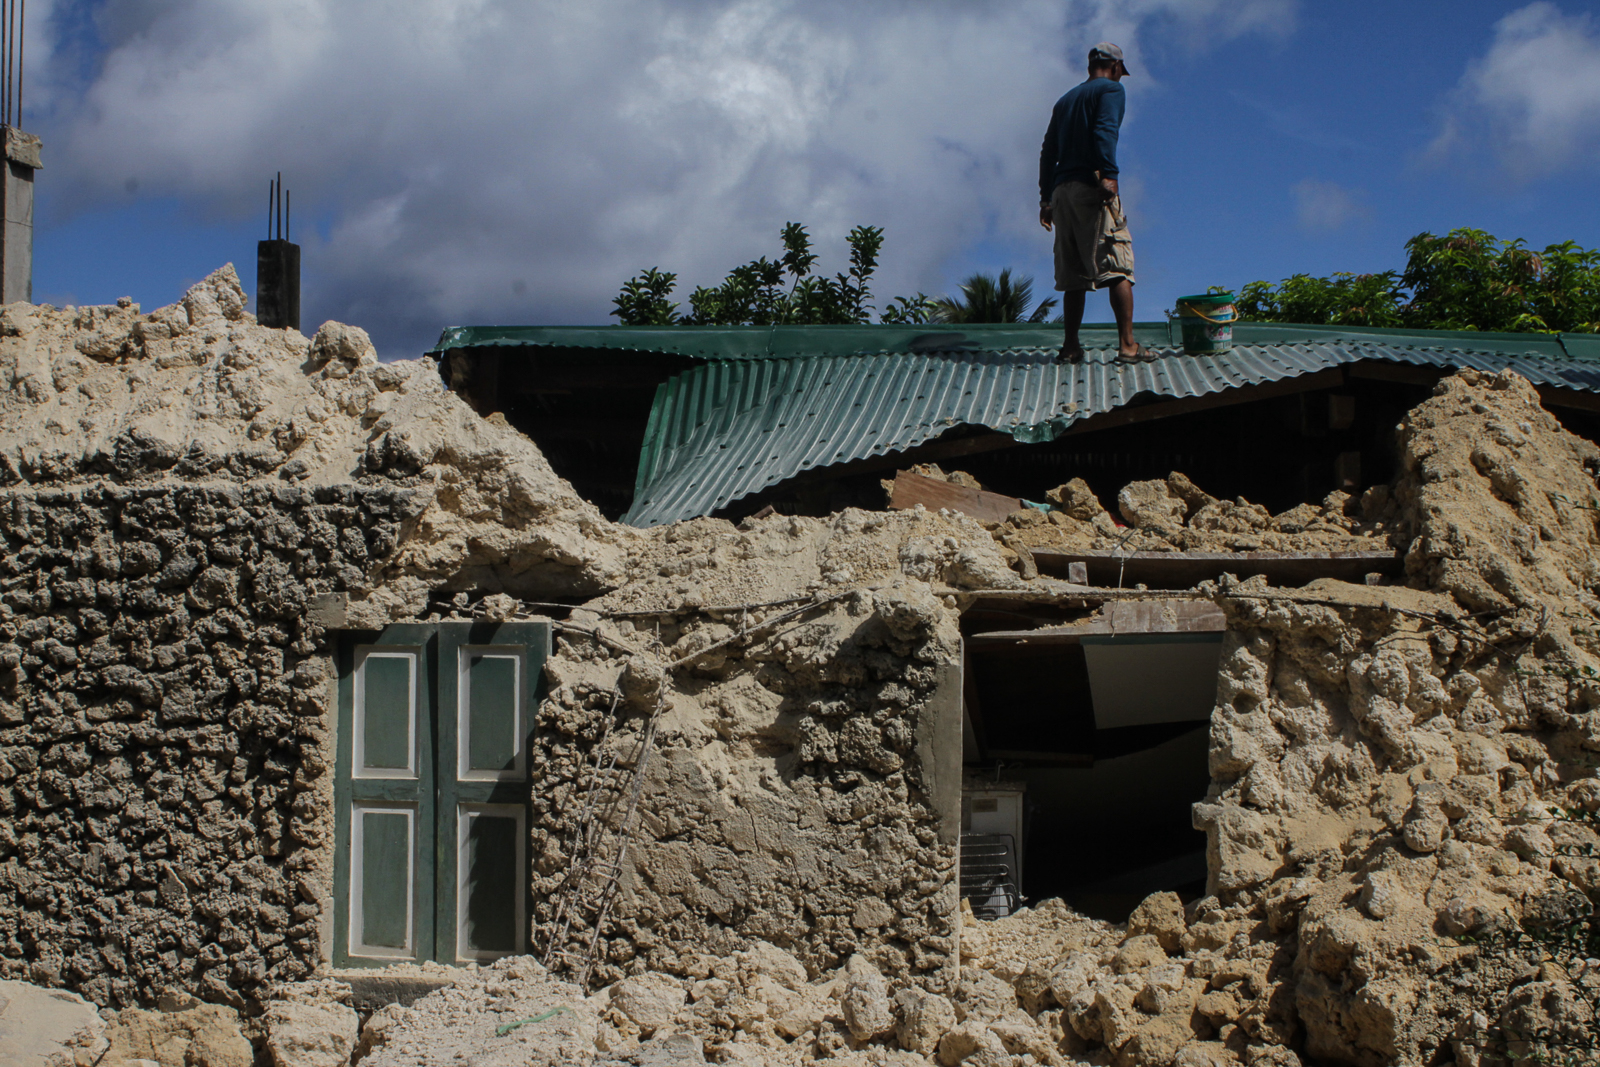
[
  {"x": 197, "y": 392},
  {"x": 191, "y": 501},
  {"x": 1173, "y": 514},
  {"x": 1388, "y": 767}
]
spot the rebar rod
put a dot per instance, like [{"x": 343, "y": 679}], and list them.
[
  {"x": 6, "y": 9},
  {"x": 22, "y": 39}
]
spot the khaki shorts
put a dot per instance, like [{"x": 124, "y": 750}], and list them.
[{"x": 1093, "y": 245}]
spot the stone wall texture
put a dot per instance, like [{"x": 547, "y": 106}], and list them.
[
  {"x": 165, "y": 799},
  {"x": 793, "y": 796}
]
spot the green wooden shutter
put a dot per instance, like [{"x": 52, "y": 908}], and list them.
[
  {"x": 432, "y": 791},
  {"x": 488, "y": 688},
  {"x": 384, "y": 790}
]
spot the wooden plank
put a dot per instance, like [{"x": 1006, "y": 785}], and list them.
[
  {"x": 1182, "y": 570},
  {"x": 913, "y": 489}
]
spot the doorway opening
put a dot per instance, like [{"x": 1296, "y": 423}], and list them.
[{"x": 1085, "y": 746}]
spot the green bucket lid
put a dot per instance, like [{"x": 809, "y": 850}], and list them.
[{"x": 1208, "y": 298}]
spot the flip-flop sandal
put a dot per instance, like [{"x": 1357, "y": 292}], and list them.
[
  {"x": 1073, "y": 355},
  {"x": 1139, "y": 355}
]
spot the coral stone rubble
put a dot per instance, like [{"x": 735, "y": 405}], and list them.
[{"x": 191, "y": 503}]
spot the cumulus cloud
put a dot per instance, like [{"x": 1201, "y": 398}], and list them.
[
  {"x": 1534, "y": 98},
  {"x": 1322, "y": 206},
  {"x": 516, "y": 160}
]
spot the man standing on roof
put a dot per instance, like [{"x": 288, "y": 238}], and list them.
[{"x": 1078, "y": 195}]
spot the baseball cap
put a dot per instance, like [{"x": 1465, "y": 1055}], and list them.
[{"x": 1106, "y": 50}]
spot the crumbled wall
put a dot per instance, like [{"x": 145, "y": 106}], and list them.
[
  {"x": 198, "y": 392},
  {"x": 190, "y": 499},
  {"x": 805, "y": 785},
  {"x": 188, "y": 502}
]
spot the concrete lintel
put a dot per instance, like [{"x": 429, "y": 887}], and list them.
[{"x": 1122, "y": 617}]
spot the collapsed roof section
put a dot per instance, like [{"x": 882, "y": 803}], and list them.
[{"x": 736, "y": 411}]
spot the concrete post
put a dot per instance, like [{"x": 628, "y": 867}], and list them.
[
  {"x": 16, "y": 214},
  {"x": 278, "y": 284}
]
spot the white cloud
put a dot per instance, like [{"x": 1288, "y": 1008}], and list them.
[
  {"x": 1326, "y": 206},
  {"x": 517, "y": 160},
  {"x": 1534, "y": 98}
]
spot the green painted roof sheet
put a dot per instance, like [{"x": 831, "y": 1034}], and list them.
[
  {"x": 792, "y": 342},
  {"x": 726, "y": 429},
  {"x": 769, "y": 403}
]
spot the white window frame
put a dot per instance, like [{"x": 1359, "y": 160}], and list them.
[
  {"x": 358, "y": 826},
  {"x": 464, "y": 815},
  {"x": 519, "y": 765},
  {"x": 358, "y": 761}
]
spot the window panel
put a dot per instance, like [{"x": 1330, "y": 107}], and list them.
[
  {"x": 491, "y": 745},
  {"x": 381, "y": 911},
  {"x": 491, "y": 905},
  {"x": 386, "y": 714}
]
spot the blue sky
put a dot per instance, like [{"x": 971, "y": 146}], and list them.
[{"x": 459, "y": 161}]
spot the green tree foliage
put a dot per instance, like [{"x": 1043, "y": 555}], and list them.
[
  {"x": 985, "y": 298},
  {"x": 1465, "y": 280},
  {"x": 1340, "y": 300},
  {"x": 768, "y": 292},
  {"x": 644, "y": 300}
]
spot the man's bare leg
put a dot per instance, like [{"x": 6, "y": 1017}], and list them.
[
  {"x": 1121, "y": 293},
  {"x": 1072, "y": 317}
]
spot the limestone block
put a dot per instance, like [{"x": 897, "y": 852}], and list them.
[
  {"x": 310, "y": 1034},
  {"x": 1161, "y": 916},
  {"x": 648, "y": 1001},
  {"x": 207, "y": 1034},
  {"x": 1151, "y": 506},
  {"x": 1137, "y": 953},
  {"x": 973, "y": 1045},
  {"x": 866, "y": 1000},
  {"x": 37, "y": 1023},
  {"x": 923, "y": 1019}
]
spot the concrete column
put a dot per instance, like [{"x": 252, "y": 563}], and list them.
[
  {"x": 16, "y": 214},
  {"x": 278, "y": 284}
]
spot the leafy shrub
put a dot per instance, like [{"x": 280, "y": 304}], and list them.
[
  {"x": 1465, "y": 280},
  {"x": 767, "y": 292}
]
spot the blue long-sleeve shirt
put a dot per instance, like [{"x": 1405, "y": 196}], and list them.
[{"x": 1082, "y": 137}]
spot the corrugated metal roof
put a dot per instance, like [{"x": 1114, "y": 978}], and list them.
[
  {"x": 733, "y": 427},
  {"x": 790, "y": 342}
]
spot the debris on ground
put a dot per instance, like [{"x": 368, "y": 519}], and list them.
[{"x": 1393, "y": 768}]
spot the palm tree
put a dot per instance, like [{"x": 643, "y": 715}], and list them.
[{"x": 985, "y": 298}]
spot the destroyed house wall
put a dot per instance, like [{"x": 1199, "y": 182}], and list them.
[
  {"x": 804, "y": 789},
  {"x": 165, "y": 808}
]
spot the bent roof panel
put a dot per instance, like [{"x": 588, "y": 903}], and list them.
[{"x": 728, "y": 429}]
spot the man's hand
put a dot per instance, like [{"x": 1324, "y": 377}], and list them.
[
  {"x": 1046, "y": 216},
  {"x": 1108, "y": 188}
]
